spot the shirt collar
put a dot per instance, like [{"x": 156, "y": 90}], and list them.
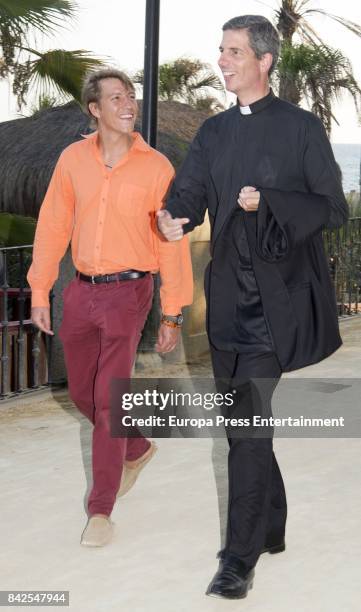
[
  {"x": 257, "y": 106},
  {"x": 138, "y": 141}
]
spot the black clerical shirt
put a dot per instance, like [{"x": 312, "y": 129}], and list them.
[
  {"x": 250, "y": 327},
  {"x": 284, "y": 152}
]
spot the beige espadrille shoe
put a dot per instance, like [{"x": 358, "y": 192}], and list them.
[
  {"x": 98, "y": 532},
  {"x": 132, "y": 469}
]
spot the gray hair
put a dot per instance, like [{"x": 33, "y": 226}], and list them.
[
  {"x": 91, "y": 90},
  {"x": 263, "y": 36}
]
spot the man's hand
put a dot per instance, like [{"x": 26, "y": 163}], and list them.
[
  {"x": 167, "y": 338},
  {"x": 172, "y": 229},
  {"x": 40, "y": 316},
  {"x": 248, "y": 198}
]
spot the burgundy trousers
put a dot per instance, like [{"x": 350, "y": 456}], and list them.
[{"x": 100, "y": 332}]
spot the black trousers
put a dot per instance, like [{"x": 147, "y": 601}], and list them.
[{"x": 257, "y": 507}]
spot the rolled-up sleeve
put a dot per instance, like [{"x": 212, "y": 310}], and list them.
[{"x": 175, "y": 265}]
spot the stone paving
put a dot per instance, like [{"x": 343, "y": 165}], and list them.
[{"x": 168, "y": 526}]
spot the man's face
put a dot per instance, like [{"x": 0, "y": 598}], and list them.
[
  {"x": 242, "y": 71},
  {"x": 117, "y": 107}
]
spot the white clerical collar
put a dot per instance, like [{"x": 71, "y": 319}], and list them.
[
  {"x": 257, "y": 106},
  {"x": 245, "y": 110}
]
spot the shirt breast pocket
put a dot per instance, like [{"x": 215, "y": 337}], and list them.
[{"x": 131, "y": 200}]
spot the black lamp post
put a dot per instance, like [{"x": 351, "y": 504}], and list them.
[
  {"x": 150, "y": 85},
  {"x": 149, "y": 133}
]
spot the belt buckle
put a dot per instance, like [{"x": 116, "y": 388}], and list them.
[{"x": 93, "y": 281}]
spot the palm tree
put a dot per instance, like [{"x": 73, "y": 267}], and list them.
[
  {"x": 59, "y": 69},
  {"x": 187, "y": 80},
  {"x": 312, "y": 70},
  {"x": 318, "y": 74},
  {"x": 291, "y": 18}
]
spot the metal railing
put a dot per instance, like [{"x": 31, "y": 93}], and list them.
[
  {"x": 343, "y": 249},
  {"x": 25, "y": 353}
]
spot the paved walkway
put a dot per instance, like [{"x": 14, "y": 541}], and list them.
[{"x": 168, "y": 526}]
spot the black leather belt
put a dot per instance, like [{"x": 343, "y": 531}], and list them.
[{"x": 110, "y": 278}]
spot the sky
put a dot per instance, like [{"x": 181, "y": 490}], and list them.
[{"x": 192, "y": 28}]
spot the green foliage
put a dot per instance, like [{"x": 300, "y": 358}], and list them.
[
  {"x": 18, "y": 18},
  {"x": 309, "y": 68},
  {"x": 354, "y": 203},
  {"x": 16, "y": 230},
  {"x": 318, "y": 74},
  {"x": 59, "y": 69},
  {"x": 64, "y": 70},
  {"x": 210, "y": 104},
  {"x": 40, "y": 14},
  {"x": 44, "y": 102},
  {"x": 291, "y": 18},
  {"x": 187, "y": 80}
]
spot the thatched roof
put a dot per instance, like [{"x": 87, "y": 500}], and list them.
[{"x": 30, "y": 147}]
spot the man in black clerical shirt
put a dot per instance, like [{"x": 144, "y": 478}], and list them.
[{"x": 265, "y": 171}]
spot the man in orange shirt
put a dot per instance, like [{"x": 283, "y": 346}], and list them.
[{"x": 103, "y": 197}]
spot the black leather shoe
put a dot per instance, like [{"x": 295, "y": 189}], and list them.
[
  {"x": 274, "y": 548},
  {"x": 269, "y": 547},
  {"x": 231, "y": 581}
]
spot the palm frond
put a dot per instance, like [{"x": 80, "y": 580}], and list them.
[
  {"x": 19, "y": 18},
  {"x": 43, "y": 15},
  {"x": 209, "y": 104},
  {"x": 353, "y": 27},
  {"x": 62, "y": 70},
  {"x": 207, "y": 79},
  {"x": 290, "y": 18},
  {"x": 319, "y": 75},
  {"x": 185, "y": 80},
  {"x": 308, "y": 34}
]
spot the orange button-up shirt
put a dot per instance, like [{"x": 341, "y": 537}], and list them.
[{"x": 109, "y": 217}]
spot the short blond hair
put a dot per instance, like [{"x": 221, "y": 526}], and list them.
[{"x": 91, "y": 90}]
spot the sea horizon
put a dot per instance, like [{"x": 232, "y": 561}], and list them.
[{"x": 348, "y": 156}]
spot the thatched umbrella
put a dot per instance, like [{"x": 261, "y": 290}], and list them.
[
  {"x": 29, "y": 150},
  {"x": 30, "y": 147}
]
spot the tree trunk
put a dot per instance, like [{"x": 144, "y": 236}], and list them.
[
  {"x": 286, "y": 26},
  {"x": 288, "y": 90}
]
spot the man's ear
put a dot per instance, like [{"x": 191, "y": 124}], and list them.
[
  {"x": 266, "y": 62},
  {"x": 94, "y": 109}
]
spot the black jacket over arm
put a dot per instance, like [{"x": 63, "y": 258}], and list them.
[{"x": 284, "y": 152}]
